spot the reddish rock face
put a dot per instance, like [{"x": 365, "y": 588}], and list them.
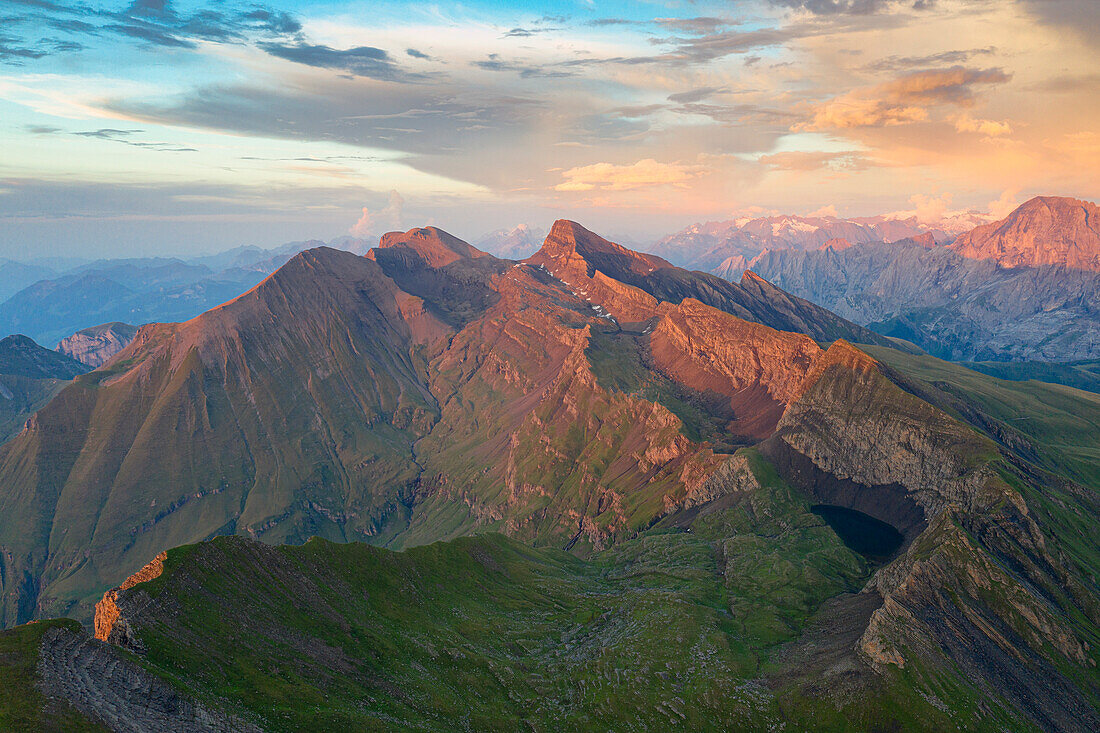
[
  {"x": 107, "y": 613},
  {"x": 1047, "y": 230},
  {"x": 434, "y": 247},
  {"x": 424, "y": 390}
]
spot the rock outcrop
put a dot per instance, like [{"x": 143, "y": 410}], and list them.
[
  {"x": 96, "y": 346},
  {"x": 111, "y": 689},
  {"x": 109, "y": 623}
]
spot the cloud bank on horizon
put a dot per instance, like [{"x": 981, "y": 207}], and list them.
[{"x": 157, "y": 125}]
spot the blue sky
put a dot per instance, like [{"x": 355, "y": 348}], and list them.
[{"x": 154, "y": 127}]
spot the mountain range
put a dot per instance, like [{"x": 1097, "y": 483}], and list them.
[
  {"x": 714, "y": 245},
  {"x": 50, "y": 304},
  {"x": 1023, "y": 288},
  {"x": 692, "y": 502}
]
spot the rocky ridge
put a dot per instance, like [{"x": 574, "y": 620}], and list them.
[{"x": 574, "y": 400}]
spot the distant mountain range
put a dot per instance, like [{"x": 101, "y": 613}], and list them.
[
  {"x": 717, "y": 511},
  {"x": 49, "y": 305},
  {"x": 1023, "y": 288},
  {"x": 721, "y": 245},
  {"x": 516, "y": 243}
]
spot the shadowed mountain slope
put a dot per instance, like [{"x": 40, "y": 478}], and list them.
[
  {"x": 29, "y": 376},
  {"x": 590, "y": 399}
]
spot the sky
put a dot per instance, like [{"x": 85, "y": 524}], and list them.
[{"x": 179, "y": 127}]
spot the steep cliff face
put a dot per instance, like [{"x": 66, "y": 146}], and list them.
[
  {"x": 978, "y": 583},
  {"x": 578, "y": 257},
  {"x": 96, "y": 345},
  {"x": 1047, "y": 230}
]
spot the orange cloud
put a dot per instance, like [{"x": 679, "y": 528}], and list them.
[
  {"x": 989, "y": 128},
  {"x": 903, "y": 100},
  {"x": 611, "y": 177}
]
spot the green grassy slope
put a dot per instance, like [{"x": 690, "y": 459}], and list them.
[
  {"x": 1079, "y": 374},
  {"x": 1059, "y": 425},
  {"x": 684, "y": 626}
]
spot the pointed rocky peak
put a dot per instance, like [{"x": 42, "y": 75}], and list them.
[
  {"x": 1047, "y": 230},
  {"x": 435, "y": 247},
  {"x": 569, "y": 241},
  {"x": 836, "y": 244},
  {"x": 843, "y": 353},
  {"x": 750, "y": 278}
]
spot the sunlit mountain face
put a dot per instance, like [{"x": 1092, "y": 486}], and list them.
[{"x": 553, "y": 366}]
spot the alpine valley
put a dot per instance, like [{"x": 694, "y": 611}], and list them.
[{"x": 425, "y": 488}]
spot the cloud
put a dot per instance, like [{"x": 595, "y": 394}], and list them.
[
  {"x": 365, "y": 61},
  {"x": 811, "y": 160},
  {"x": 903, "y": 63},
  {"x": 158, "y": 23},
  {"x": 854, "y": 7},
  {"x": 384, "y": 220},
  {"x": 716, "y": 45},
  {"x": 989, "y": 128},
  {"x": 13, "y": 51},
  {"x": 643, "y": 174},
  {"x": 602, "y": 22},
  {"x": 903, "y": 100},
  {"x": 417, "y": 54},
  {"x": 700, "y": 25},
  {"x": 825, "y": 212},
  {"x": 1004, "y": 205},
  {"x": 927, "y": 209},
  {"x": 495, "y": 63},
  {"x": 694, "y": 95},
  {"x": 111, "y": 134}
]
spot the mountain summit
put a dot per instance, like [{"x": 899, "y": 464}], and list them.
[
  {"x": 1046, "y": 230},
  {"x": 666, "y": 452},
  {"x": 435, "y": 247}
]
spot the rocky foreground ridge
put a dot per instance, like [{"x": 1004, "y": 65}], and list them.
[{"x": 663, "y": 435}]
